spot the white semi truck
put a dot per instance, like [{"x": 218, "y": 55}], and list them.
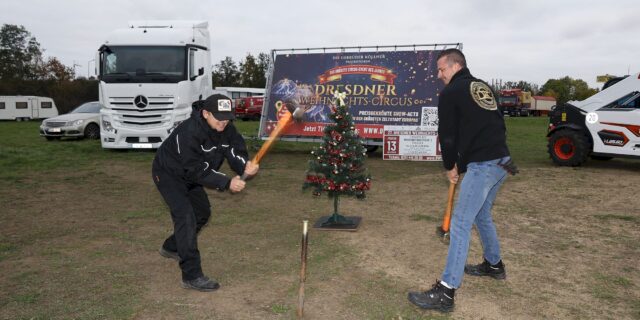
[{"x": 150, "y": 74}]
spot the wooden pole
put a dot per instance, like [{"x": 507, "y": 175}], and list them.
[{"x": 303, "y": 268}]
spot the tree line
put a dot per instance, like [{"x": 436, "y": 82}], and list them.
[
  {"x": 25, "y": 71},
  {"x": 563, "y": 89}
]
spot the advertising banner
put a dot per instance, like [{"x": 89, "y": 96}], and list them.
[
  {"x": 413, "y": 143},
  {"x": 384, "y": 88}
]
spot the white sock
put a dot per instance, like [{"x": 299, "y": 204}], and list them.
[{"x": 446, "y": 284}]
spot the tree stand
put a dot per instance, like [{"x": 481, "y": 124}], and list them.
[{"x": 337, "y": 221}]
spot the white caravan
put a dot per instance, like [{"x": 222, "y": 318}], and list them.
[
  {"x": 150, "y": 73},
  {"x": 26, "y": 107},
  {"x": 237, "y": 92}
]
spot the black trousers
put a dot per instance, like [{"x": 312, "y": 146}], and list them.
[{"x": 190, "y": 211}]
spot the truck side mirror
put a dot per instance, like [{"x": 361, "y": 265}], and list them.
[{"x": 200, "y": 72}]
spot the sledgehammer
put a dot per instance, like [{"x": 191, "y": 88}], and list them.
[
  {"x": 443, "y": 231},
  {"x": 294, "y": 111}
]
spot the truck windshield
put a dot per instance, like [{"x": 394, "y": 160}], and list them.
[
  {"x": 508, "y": 100},
  {"x": 143, "y": 64}
]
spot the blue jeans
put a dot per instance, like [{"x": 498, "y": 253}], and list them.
[{"x": 477, "y": 192}]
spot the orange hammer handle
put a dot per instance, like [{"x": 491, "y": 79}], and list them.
[
  {"x": 283, "y": 123},
  {"x": 446, "y": 222}
]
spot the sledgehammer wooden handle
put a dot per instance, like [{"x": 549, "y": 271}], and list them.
[
  {"x": 446, "y": 222},
  {"x": 282, "y": 124}
]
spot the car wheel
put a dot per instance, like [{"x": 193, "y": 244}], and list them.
[
  {"x": 568, "y": 148},
  {"x": 92, "y": 131}
]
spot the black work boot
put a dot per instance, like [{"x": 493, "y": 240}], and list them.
[
  {"x": 169, "y": 254},
  {"x": 201, "y": 284},
  {"x": 439, "y": 297},
  {"x": 495, "y": 271}
]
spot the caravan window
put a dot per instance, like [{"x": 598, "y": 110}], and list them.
[
  {"x": 21, "y": 105},
  {"x": 46, "y": 105},
  {"x": 1, "y": 105}
]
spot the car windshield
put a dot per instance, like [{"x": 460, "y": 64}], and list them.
[{"x": 89, "y": 107}]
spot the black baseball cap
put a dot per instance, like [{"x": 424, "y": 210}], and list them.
[{"x": 220, "y": 106}]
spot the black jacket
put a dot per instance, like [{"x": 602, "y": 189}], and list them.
[
  {"x": 470, "y": 128},
  {"x": 194, "y": 152}
]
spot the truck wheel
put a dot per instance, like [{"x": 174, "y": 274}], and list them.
[
  {"x": 92, "y": 131},
  {"x": 568, "y": 148}
]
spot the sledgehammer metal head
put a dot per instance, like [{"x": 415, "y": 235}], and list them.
[
  {"x": 443, "y": 235},
  {"x": 444, "y": 232},
  {"x": 297, "y": 111}
]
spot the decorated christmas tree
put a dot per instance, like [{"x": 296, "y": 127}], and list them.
[{"x": 337, "y": 166}]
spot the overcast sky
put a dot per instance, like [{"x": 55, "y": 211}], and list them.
[{"x": 510, "y": 40}]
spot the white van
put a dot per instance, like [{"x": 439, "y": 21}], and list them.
[{"x": 21, "y": 108}]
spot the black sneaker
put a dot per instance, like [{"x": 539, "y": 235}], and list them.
[
  {"x": 486, "y": 269},
  {"x": 169, "y": 254},
  {"x": 439, "y": 297},
  {"x": 201, "y": 284}
]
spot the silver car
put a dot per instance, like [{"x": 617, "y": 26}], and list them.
[{"x": 82, "y": 122}]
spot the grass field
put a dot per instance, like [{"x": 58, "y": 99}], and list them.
[{"x": 81, "y": 227}]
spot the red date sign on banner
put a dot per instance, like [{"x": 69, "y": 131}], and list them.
[{"x": 411, "y": 143}]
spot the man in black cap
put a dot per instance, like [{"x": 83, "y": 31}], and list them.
[{"x": 187, "y": 161}]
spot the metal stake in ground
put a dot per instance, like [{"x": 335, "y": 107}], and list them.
[
  {"x": 303, "y": 268},
  {"x": 443, "y": 231}
]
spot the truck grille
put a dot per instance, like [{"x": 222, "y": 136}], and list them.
[{"x": 156, "y": 113}]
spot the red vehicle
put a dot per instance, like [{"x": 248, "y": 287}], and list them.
[
  {"x": 515, "y": 102},
  {"x": 249, "y": 108}
]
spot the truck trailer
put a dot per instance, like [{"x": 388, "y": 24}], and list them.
[
  {"x": 150, "y": 74},
  {"x": 541, "y": 105}
]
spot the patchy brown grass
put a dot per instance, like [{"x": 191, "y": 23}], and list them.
[{"x": 82, "y": 243}]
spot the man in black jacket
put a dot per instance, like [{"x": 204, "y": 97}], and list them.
[
  {"x": 472, "y": 137},
  {"x": 187, "y": 161}
]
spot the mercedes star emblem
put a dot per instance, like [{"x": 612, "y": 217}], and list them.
[{"x": 140, "y": 101}]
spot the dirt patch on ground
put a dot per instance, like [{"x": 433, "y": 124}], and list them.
[{"x": 88, "y": 249}]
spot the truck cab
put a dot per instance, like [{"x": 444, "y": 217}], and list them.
[
  {"x": 603, "y": 126},
  {"x": 150, "y": 74},
  {"x": 514, "y": 102}
]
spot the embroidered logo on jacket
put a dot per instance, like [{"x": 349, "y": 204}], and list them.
[{"x": 482, "y": 95}]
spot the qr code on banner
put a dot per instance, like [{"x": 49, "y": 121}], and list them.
[{"x": 430, "y": 118}]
